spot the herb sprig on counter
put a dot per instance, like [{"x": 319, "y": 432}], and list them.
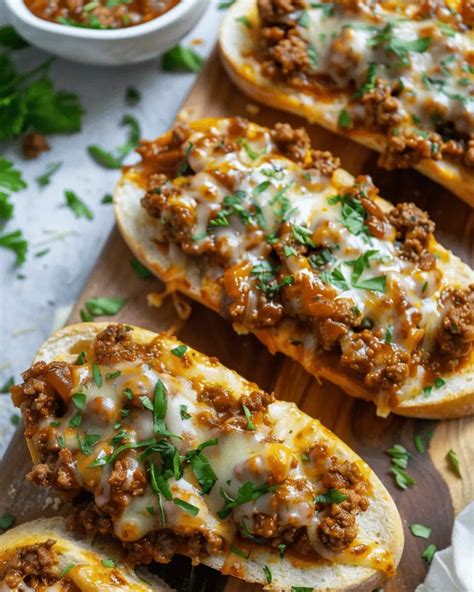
[{"x": 113, "y": 159}]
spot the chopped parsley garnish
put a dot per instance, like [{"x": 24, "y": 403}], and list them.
[
  {"x": 246, "y": 493},
  {"x": 248, "y": 417},
  {"x": 302, "y": 235},
  {"x": 146, "y": 403},
  {"x": 392, "y": 44},
  {"x": 446, "y": 29},
  {"x": 428, "y": 553},
  {"x": 353, "y": 213},
  {"x": 35, "y": 105},
  {"x": 201, "y": 466},
  {"x": 312, "y": 55},
  {"x": 183, "y": 412},
  {"x": 107, "y": 199},
  {"x": 7, "y": 385},
  {"x": 439, "y": 382},
  {"x": 97, "y": 376},
  {"x": 15, "y": 419},
  {"x": 87, "y": 443},
  {"x": 261, "y": 187},
  {"x": 421, "y": 440},
  {"x": 321, "y": 258},
  {"x": 400, "y": 456},
  {"x": 345, "y": 120},
  {"x": 114, "y": 159},
  {"x": 112, "y": 375},
  {"x": 189, "y": 508},
  {"x": 160, "y": 405},
  {"x": 267, "y": 279},
  {"x": 11, "y": 39},
  {"x": 335, "y": 277},
  {"x": 108, "y": 563},
  {"x": 179, "y": 351},
  {"x": 6, "y": 521},
  {"x": 132, "y": 95},
  {"x": 289, "y": 251},
  {"x": 15, "y": 241},
  {"x": 75, "y": 420},
  {"x": 453, "y": 461},
  {"x": 244, "y": 20},
  {"x": 104, "y": 305},
  {"x": 66, "y": 570},
  {"x": 78, "y": 207},
  {"x": 389, "y": 335},
  {"x": 301, "y": 589},
  {"x": 181, "y": 59},
  {"x": 304, "y": 19},
  {"x": 421, "y": 531},
  {"x": 268, "y": 574},
  {"x": 45, "y": 179},
  {"x": 369, "y": 83},
  {"x": 332, "y": 496},
  {"x": 281, "y": 550},
  {"x": 128, "y": 393},
  {"x": 225, "y": 4},
  {"x": 141, "y": 271},
  {"x": 327, "y": 9},
  {"x": 79, "y": 400}
]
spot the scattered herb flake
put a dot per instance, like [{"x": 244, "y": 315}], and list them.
[
  {"x": 45, "y": 179},
  {"x": 421, "y": 531},
  {"x": 428, "y": 553},
  {"x": 179, "y": 59},
  {"x": 189, "y": 508},
  {"x": 453, "y": 461},
  {"x": 78, "y": 207},
  {"x": 179, "y": 351},
  {"x": 141, "y": 271}
]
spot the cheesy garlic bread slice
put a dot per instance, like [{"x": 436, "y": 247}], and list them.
[
  {"x": 272, "y": 234},
  {"x": 395, "y": 76},
  {"x": 171, "y": 453},
  {"x": 43, "y": 556}
]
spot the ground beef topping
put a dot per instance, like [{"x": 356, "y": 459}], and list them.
[
  {"x": 382, "y": 88},
  {"x": 456, "y": 335},
  {"x": 32, "y": 566}
]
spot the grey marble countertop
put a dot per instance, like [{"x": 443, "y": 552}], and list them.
[{"x": 30, "y": 308}]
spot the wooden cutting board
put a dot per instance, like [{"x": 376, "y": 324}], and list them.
[{"x": 438, "y": 494}]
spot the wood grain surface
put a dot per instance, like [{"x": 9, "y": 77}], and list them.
[{"x": 438, "y": 494}]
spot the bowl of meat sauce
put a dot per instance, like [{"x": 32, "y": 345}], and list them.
[{"x": 105, "y": 32}]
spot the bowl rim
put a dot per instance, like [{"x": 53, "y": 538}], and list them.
[{"x": 179, "y": 11}]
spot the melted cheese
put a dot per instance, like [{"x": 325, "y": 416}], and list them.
[{"x": 270, "y": 454}]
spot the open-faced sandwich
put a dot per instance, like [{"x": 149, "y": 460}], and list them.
[
  {"x": 172, "y": 453},
  {"x": 397, "y": 77},
  {"x": 272, "y": 234},
  {"x": 43, "y": 556}
]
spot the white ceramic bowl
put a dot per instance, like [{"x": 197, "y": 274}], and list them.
[{"x": 107, "y": 47}]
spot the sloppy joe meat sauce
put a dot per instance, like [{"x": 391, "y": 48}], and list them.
[{"x": 100, "y": 14}]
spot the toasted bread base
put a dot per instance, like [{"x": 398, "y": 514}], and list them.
[
  {"x": 235, "y": 43},
  {"x": 454, "y": 399},
  {"x": 88, "y": 573},
  {"x": 381, "y": 519}
]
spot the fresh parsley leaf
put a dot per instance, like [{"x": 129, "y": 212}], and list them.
[
  {"x": 345, "y": 120},
  {"x": 78, "y": 207},
  {"x": 332, "y": 496},
  {"x": 108, "y": 563},
  {"x": 203, "y": 472},
  {"x": 376, "y": 284},
  {"x": 335, "y": 277},
  {"x": 11, "y": 178},
  {"x": 421, "y": 531},
  {"x": 50, "y": 111},
  {"x": 141, "y": 271},
  {"x": 11, "y": 39},
  {"x": 245, "y": 21},
  {"x": 97, "y": 376},
  {"x": 236, "y": 551},
  {"x": 107, "y": 199},
  {"x": 87, "y": 443},
  {"x": 79, "y": 400},
  {"x": 428, "y": 553},
  {"x": 45, "y": 179},
  {"x": 189, "y": 508},
  {"x": 302, "y": 234},
  {"x": 402, "y": 479},
  {"x": 132, "y": 95},
  {"x": 181, "y": 59},
  {"x": 183, "y": 411},
  {"x": 246, "y": 493},
  {"x": 145, "y": 401},
  {"x": 113, "y": 159},
  {"x": 5, "y": 388},
  {"x": 268, "y": 574},
  {"x": 179, "y": 351},
  {"x": 75, "y": 420},
  {"x": 248, "y": 417},
  {"x": 105, "y": 305},
  {"x": 453, "y": 461},
  {"x": 15, "y": 241},
  {"x": 6, "y": 521},
  {"x": 6, "y": 207}
]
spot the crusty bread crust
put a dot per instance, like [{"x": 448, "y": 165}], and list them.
[
  {"x": 72, "y": 549},
  {"x": 236, "y": 42},
  {"x": 380, "y": 520},
  {"x": 454, "y": 399}
]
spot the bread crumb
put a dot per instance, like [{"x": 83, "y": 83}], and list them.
[{"x": 252, "y": 109}]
